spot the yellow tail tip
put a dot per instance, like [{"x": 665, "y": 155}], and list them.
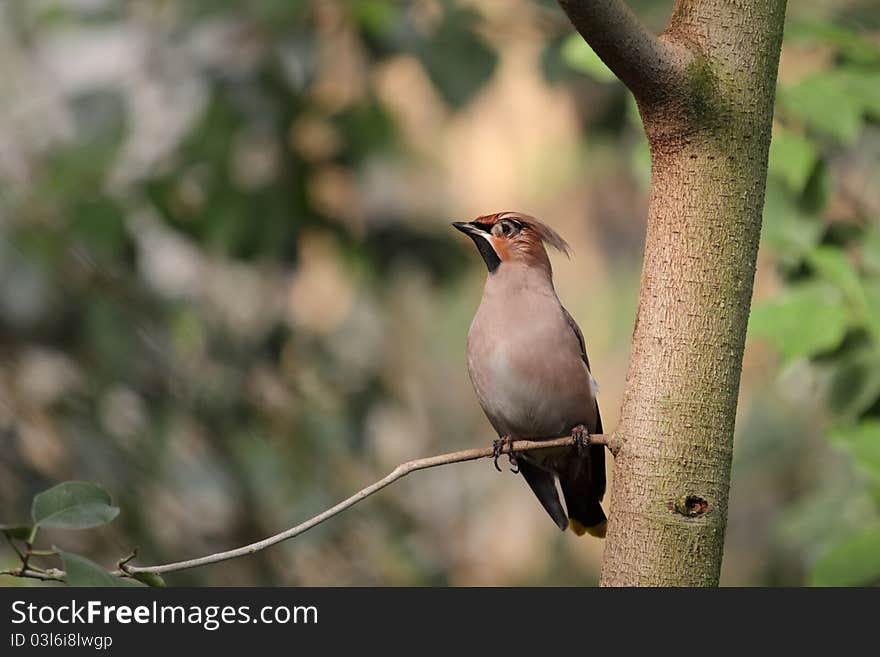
[{"x": 596, "y": 530}]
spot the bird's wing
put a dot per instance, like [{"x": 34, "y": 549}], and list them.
[{"x": 580, "y": 338}]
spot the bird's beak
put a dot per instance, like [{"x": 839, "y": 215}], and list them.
[
  {"x": 480, "y": 236},
  {"x": 466, "y": 227}
]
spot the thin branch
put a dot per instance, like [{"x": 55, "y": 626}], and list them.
[
  {"x": 647, "y": 64},
  {"x": 42, "y": 553},
  {"x": 14, "y": 547},
  {"x": 122, "y": 564},
  {"x": 399, "y": 472},
  {"x": 29, "y": 545},
  {"x": 124, "y": 569},
  {"x": 50, "y": 575}
]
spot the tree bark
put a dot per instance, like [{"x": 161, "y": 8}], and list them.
[{"x": 705, "y": 89}]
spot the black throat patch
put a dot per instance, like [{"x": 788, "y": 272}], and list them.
[{"x": 489, "y": 256}]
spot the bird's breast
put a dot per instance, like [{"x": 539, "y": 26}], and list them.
[{"x": 528, "y": 374}]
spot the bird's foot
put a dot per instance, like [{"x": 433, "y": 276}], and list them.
[
  {"x": 498, "y": 449},
  {"x": 581, "y": 438}
]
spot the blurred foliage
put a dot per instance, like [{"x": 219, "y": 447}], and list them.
[
  {"x": 229, "y": 294},
  {"x": 826, "y": 239},
  {"x": 212, "y": 274},
  {"x": 149, "y": 241},
  {"x": 578, "y": 55}
]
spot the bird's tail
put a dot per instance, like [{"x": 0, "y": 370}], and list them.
[
  {"x": 592, "y": 522},
  {"x": 544, "y": 487},
  {"x": 583, "y": 488}
]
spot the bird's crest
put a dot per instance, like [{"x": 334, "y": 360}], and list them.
[{"x": 546, "y": 234}]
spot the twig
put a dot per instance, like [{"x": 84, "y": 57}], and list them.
[
  {"x": 124, "y": 569},
  {"x": 42, "y": 553},
  {"x": 14, "y": 547},
  {"x": 29, "y": 545},
  {"x": 647, "y": 64},
  {"x": 50, "y": 575},
  {"x": 122, "y": 564},
  {"x": 400, "y": 471}
]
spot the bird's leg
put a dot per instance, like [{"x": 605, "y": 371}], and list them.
[
  {"x": 581, "y": 438},
  {"x": 498, "y": 449}
]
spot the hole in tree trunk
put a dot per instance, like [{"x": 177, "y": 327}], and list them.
[{"x": 690, "y": 506}]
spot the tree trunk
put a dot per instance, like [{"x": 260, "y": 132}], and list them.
[{"x": 705, "y": 89}]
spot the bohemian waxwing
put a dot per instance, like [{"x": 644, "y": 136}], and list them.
[{"x": 529, "y": 368}]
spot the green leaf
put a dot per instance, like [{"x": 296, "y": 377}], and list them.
[
  {"x": 376, "y": 16},
  {"x": 863, "y": 442},
  {"x": 456, "y": 58},
  {"x": 73, "y": 505},
  {"x": 20, "y": 532},
  {"x": 855, "y": 382},
  {"x": 792, "y": 158},
  {"x": 826, "y": 103},
  {"x": 787, "y": 228},
  {"x": 863, "y": 86},
  {"x": 579, "y": 56},
  {"x": 84, "y": 572},
  {"x": 150, "y": 579},
  {"x": 871, "y": 288},
  {"x": 853, "y": 561},
  {"x": 871, "y": 249},
  {"x": 836, "y": 101},
  {"x": 99, "y": 225},
  {"x": 849, "y": 43},
  {"x": 834, "y": 266},
  {"x": 804, "y": 320}
]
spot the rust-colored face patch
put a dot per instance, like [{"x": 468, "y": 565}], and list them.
[
  {"x": 512, "y": 237},
  {"x": 486, "y": 221},
  {"x": 501, "y": 247}
]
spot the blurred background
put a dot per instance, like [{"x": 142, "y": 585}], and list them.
[{"x": 229, "y": 292}]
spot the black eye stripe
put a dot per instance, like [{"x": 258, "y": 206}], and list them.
[{"x": 510, "y": 227}]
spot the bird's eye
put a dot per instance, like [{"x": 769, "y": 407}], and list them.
[{"x": 503, "y": 229}]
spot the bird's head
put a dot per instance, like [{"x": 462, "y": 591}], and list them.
[{"x": 511, "y": 237}]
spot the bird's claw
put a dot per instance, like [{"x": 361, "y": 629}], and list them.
[
  {"x": 497, "y": 446},
  {"x": 581, "y": 438},
  {"x": 498, "y": 449}
]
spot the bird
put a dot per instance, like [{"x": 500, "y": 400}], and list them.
[{"x": 529, "y": 369}]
